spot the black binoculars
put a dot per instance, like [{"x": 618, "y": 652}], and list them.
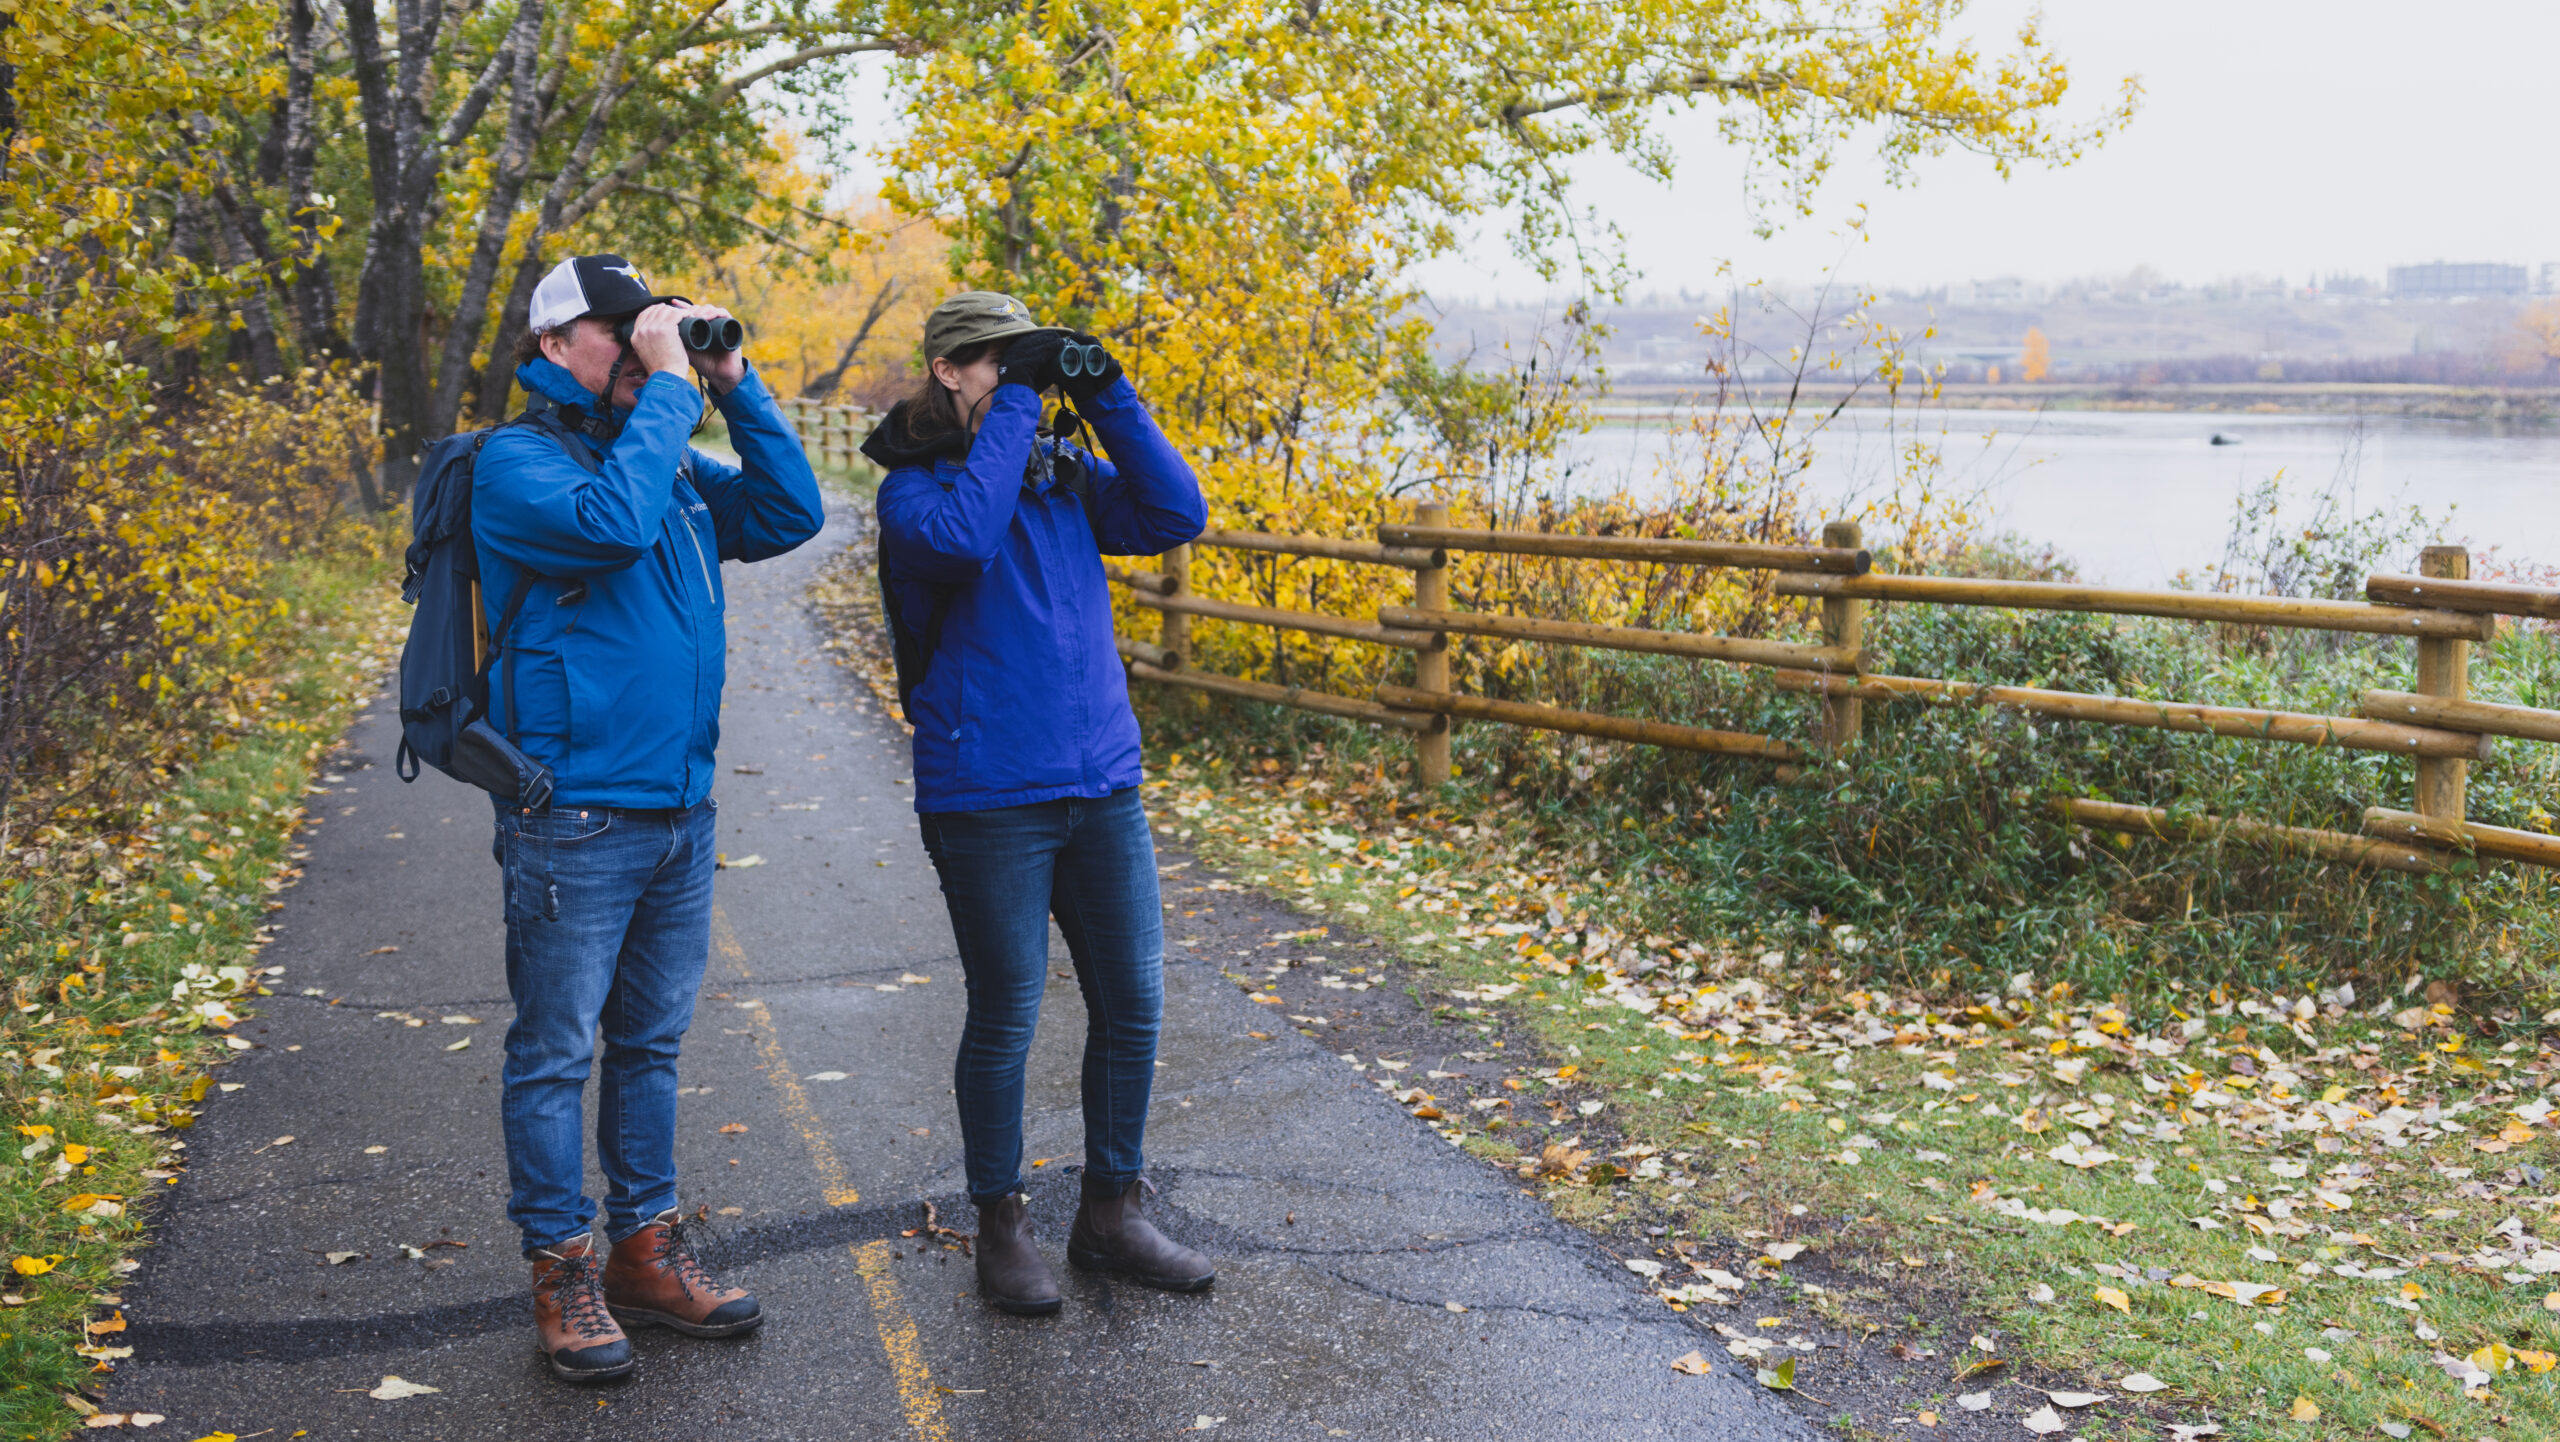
[
  {"x": 698, "y": 332},
  {"x": 1076, "y": 358}
]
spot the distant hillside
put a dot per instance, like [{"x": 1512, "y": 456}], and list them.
[{"x": 2169, "y": 337}]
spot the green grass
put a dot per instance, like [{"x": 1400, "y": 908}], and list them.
[
  {"x": 1936, "y": 839},
  {"x": 125, "y": 952},
  {"x": 1719, "y": 1148}
]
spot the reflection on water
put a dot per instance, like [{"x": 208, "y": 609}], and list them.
[{"x": 2136, "y": 496}]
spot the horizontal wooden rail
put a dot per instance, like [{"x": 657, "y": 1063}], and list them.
[
  {"x": 1624, "y": 638},
  {"x": 2330, "y": 845},
  {"x": 1297, "y": 696},
  {"x": 1149, "y": 652},
  {"x": 1312, "y": 621},
  {"x": 1154, "y": 581},
  {"x": 1830, "y": 559},
  {"x": 2499, "y": 841},
  {"x": 2493, "y": 597},
  {"x": 1586, "y": 723},
  {"x": 2180, "y": 605},
  {"x": 1412, "y": 558},
  {"x": 2251, "y": 724},
  {"x": 2486, "y": 717}
]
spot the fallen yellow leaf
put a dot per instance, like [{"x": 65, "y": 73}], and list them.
[
  {"x": 2115, "y": 1297},
  {"x": 2305, "y": 1410}
]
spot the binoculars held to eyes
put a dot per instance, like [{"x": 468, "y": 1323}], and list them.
[
  {"x": 700, "y": 333},
  {"x": 1078, "y": 359}
]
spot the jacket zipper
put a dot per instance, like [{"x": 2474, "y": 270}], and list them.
[{"x": 709, "y": 591}]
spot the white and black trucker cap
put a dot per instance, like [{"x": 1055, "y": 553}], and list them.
[{"x": 601, "y": 285}]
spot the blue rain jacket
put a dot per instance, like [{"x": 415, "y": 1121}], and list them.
[
  {"x": 620, "y": 677},
  {"x": 1026, "y": 700}
]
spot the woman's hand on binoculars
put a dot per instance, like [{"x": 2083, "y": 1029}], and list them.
[
  {"x": 1031, "y": 360},
  {"x": 1086, "y": 368}
]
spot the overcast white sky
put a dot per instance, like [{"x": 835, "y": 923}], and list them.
[{"x": 2278, "y": 137}]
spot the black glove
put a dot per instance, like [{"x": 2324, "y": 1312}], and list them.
[
  {"x": 1086, "y": 370},
  {"x": 1032, "y": 360}
]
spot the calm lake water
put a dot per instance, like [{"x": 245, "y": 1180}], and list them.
[{"x": 2136, "y": 496}]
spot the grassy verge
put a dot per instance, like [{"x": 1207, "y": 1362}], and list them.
[
  {"x": 2297, "y": 1211},
  {"x": 129, "y": 955},
  {"x": 1938, "y": 843}
]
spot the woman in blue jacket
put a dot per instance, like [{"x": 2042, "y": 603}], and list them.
[{"x": 1026, "y": 755}]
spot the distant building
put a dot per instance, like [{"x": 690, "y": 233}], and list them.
[
  {"x": 2443, "y": 280},
  {"x": 1995, "y": 291},
  {"x": 2550, "y": 278}
]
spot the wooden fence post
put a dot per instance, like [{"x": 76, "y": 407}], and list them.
[
  {"x": 1431, "y": 668},
  {"x": 1844, "y": 624},
  {"x": 2444, "y": 670},
  {"x": 1173, "y": 627}
]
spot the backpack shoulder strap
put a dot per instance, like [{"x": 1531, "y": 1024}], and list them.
[
  {"x": 546, "y": 415},
  {"x": 542, "y": 415},
  {"x": 499, "y": 646}
]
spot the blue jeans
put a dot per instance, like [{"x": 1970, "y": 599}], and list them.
[
  {"x": 1005, "y": 872},
  {"x": 608, "y": 922}
]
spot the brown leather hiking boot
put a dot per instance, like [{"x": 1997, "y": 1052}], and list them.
[
  {"x": 654, "y": 1277},
  {"x": 1012, "y": 1277},
  {"x": 1110, "y": 1236},
  {"x": 577, "y": 1335}
]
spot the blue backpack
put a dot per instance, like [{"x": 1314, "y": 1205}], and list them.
[{"x": 444, "y": 667}]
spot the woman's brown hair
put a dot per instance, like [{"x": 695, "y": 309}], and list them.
[{"x": 933, "y": 412}]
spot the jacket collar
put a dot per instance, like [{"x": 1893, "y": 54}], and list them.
[{"x": 549, "y": 381}]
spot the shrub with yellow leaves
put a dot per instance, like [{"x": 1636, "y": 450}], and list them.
[{"x": 134, "y": 524}]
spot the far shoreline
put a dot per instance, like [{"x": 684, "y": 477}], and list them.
[{"x": 2528, "y": 404}]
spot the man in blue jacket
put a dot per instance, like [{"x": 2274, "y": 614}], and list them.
[{"x": 610, "y": 674}]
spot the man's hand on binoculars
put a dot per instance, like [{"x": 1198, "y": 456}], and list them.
[
  {"x": 654, "y": 339},
  {"x": 657, "y": 337},
  {"x": 722, "y": 368}
]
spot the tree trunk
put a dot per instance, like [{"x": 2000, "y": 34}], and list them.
[
  {"x": 313, "y": 293},
  {"x": 231, "y": 232},
  {"x": 823, "y": 385},
  {"x": 404, "y": 156},
  {"x": 497, "y": 382},
  {"x": 497, "y": 215}
]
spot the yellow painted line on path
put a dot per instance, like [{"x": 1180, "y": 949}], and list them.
[
  {"x": 898, "y": 1339},
  {"x": 833, "y": 1180}
]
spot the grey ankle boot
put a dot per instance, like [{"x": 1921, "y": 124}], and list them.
[
  {"x": 1110, "y": 1236},
  {"x": 1011, "y": 1275}
]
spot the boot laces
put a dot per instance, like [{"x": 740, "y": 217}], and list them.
[
  {"x": 577, "y": 1282},
  {"x": 679, "y": 1244}
]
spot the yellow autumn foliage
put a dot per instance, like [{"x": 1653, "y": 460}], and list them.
[
  {"x": 135, "y": 524},
  {"x": 1235, "y": 197}
]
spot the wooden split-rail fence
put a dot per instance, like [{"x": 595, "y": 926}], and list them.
[
  {"x": 828, "y": 432},
  {"x": 2441, "y": 610}
]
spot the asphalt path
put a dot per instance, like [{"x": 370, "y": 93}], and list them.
[{"x": 1372, "y": 1282}]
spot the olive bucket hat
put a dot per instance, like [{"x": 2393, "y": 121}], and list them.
[{"x": 974, "y": 317}]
